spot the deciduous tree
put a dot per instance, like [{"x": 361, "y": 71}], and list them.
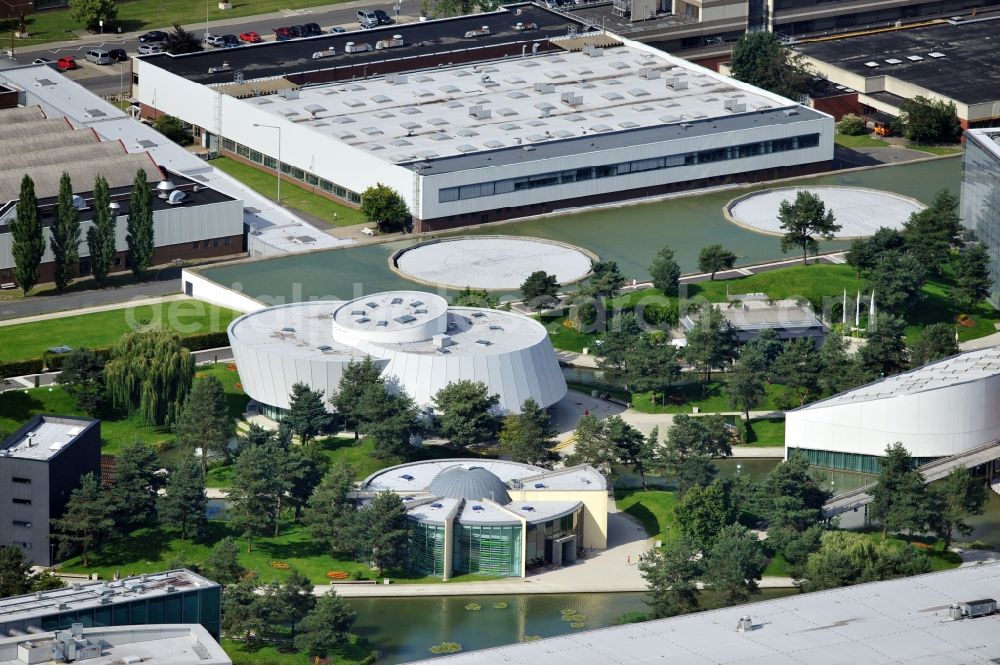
[
  {"x": 139, "y": 232},
  {"x": 715, "y": 258},
  {"x": 65, "y": 236},
  {"x": 183, "y": 504},
  {"x": 845, "y": 558},
  {"x": 383, "y": 206},
  {"x": 27, "y": 237},
  {"x": 803, "y": 220},
  {"x": 929, "y": 121},
  {"x": 90, "y": 13},
  {"x": 173, "y": 128},
  {"x": 665, "y": 271},
  {"x": 702, "y": 512},
  {"x": 466, "y": 412}
]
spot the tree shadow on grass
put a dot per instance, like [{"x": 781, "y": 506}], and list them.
[
  {"x": 136, "y": 547},
  {"x": 19, "y": 406},
  {"x": 645, "y": 517}
]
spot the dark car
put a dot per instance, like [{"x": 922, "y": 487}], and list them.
[
  {"x": 296, "y": 31},
  {"x": 383, "y": 18},
  {"x": 118, "y": 54},
  {"x": 153, "y": 36},
  {"x": 311, "y": 29},
  {"x": 282, "y": 34},
  {"x": 230, "y": 41}
]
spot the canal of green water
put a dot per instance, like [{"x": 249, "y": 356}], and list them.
[{"x": 630, "y": 235}]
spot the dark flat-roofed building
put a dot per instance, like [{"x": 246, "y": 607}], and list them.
[
  {"x": 40, "y": 466},
  {"x": 190, "y": 220},
  {"x": 954, "y": 61}
]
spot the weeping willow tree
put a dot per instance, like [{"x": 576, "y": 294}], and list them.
[{"x": 148, "y": 375}]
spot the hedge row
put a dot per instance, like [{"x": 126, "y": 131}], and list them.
[{"x": 52, "y": 362}]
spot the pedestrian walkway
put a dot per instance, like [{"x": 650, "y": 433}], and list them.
[{"x": 980, "y": 343}]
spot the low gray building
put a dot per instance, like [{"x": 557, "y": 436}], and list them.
[
  {"x": 752, "y": 313},
  {"x": 40, "y": 466}
]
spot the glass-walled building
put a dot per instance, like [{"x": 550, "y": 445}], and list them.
[
  {"x": 495, "y": 518},
  {"x": 981, "y": 196},
  {"x": 173, "y": 597}
]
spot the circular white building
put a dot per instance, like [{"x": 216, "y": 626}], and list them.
[
  {"x": 938, "y": 410},
  {"x": 421, "y": 344},
  {"x": 495, "y": 517}
]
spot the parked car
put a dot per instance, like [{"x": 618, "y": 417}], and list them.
[
  {"x": 118, "y": 54},
  {"x": 250, "y": 37},
  {"x": 98, "y": 56},
  {"x": 42, "y": 61},
  {"x": 230, "y": 41},
  {"x": 367, "y": 19},
  {"x": 336, "y": 30},
  {"x": 311, "y": 29},
  {"x": 149, "y": 49},
  {"x": 153, "y": 36},
  {"x": 214, "y": 40},
  {"x": 66, "y": 63},
  {"x": 383, "y": 18},
  {"x": 296, "y": 31},
  {"x": 282, "y": 34}
]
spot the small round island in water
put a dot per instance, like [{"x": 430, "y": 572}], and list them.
[
  {"x": 490, "y": 262},
  {"x": 859, "y": 211}
]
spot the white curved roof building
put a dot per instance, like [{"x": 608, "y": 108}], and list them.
[
  {"x": 937, "y": 410},
  {"x": 495, "y": 517},
  {"x": 420, "y": 342}
]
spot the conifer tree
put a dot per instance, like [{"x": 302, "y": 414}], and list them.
[
  {"x": 139, "y": 227},
  {"x": 65, "y": 240},
  {"x": 101, "y": 236},
  {"x": 27, "y": 236}
]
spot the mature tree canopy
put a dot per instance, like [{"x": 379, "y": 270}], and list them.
[
  {"x": 15, "y": 571},
  {"x": 307, "y": 416},
  {"x": 715, "y": 258},
  {"x": 27, "y": 237},
  {"x": 529, "y": 436},
  {"x": 804, "y": 219},
  {"x": 898, "y": 282},
  {"x": 139, "y": 226},
  {"x": 470, "y": 297},
  {"x": 390, "y": 419},
  {"x": 466, "y": 412},
  {"x": 745, "y": 383},
  {"x": 763, "y": 350},
  {"x": 184, "y": 502},
  {"x": 900, "y": 499},
  {"x": 692, "y": 442},
  {"x": 655, "y": 364},
  {"x": 616, "y": 348},
  {"x": 386, "y": 531},
  {"x": 671, "y": 573},
  {"x": 539, "y": 290},
  {"x": 711, "y": 343},
  {"x": 929, "y": 121},
  {"x": 85, "y": 521},
  {"x": 936, "y": 341},
  {"x": 148, "y": 375},
  {"x": 383, "y": 206},
  {"x": 90, "y": 13},
  {"x": 181, "y": 41},
  {"x": 244, "y": 611},
  {"x": 605, "y": 443},
  {"x": 838, "y": 371},
  {"x": 101, "y": 234},
  {"x": 173, "y": 128},
  {"x": 931, "y": 233},
  {"x": 846, "y": 558},
  {"x": 972, "y": 275},
  {"x": 223, "y": 562},
  {"x": 357, "y": 377},
  {"x": 205, "y": 424},
  {"x": 326, "y": 627},
  {"x": 82, "y": 376},
  {"x": 65, "y": 236},
  {"x": 665, "y": 271},
  {"x": 702, "y": 512},
  {"x": 884, "y": 352},
  {"x": 735, "y": 564},
  {"x": 799, "y": 368},
  {"x": 329, "y": 513},
  {"x": 134, "y": 487},
  {"x": 256, "y": 486},
  {"x": 760, "y": 59},
  {"x": 961, "y": 495},
  {"x": 866, "y": 252},
  {"x": 605, "y": 279}
]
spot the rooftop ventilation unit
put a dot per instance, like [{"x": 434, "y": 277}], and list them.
[
  {"x": 545, "y": 88},
  {"x": 745, "y": 624},
  {"x": 176, "y": 197},
  {"x": 406, "y": 476},
  {"x": 436, "y": 505},
  {"x": 441, "y": 341},
  {"x": 328, "y": 53},
  {"x": 480, "y": 112},
  {"x": 677, "y": 83},
  {"x": 395, "y": 42},
  {"x": 289, "y": 93},
  {"x": 481, "y": 32},
  {"x": 357, "y": 47},
  {"x": 649, "y": 73},
  {"x": 571, "y": 99},
  {"x": 396, "y": 79},
  {"x": 592, "y": 51},
  {"x": 478, "y": 508},
  {"x": 164, "y": 188}
]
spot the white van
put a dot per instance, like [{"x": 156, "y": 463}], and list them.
[
  {"x": 99, "y": 56},
  {"x": 367, "y": 19}
]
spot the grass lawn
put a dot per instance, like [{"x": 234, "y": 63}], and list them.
[
  {"x": 292, "y": 195},
  {"x": 863, "y": 141},
  {"x": 766, "y": 432},
  {"x": 18, "y": 406},
  {"x": 778, "y": 566},
  {"x": 654, "y": 509},
  {"x": 713, "y": 399},
  {"x": 56, "y": 25},
  {"x": 262, "y": 653},
  {"x": 565, "y": 337},
  {"x": 813, "y": 282},
  {"x": 936, "y": 149},
  {"x": 187, "y": 317}
]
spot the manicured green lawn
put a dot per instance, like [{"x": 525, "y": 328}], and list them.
[
  {"x": 56, "y": 24},
  {"x": 767, "y": 432},
  {"x": 292, "y": 195},
  {"x": 100, "y": 329},
  {"x": 864, "y": 141},
  {"x": 654, "y": 509},
  {"x": 778, "y": 566},
  {"x": 713, "y": 399},
  {"x": 262, "y": 653},
  {"x": 566, "y": 337},
  {"x": 812, "y": 282},
  {"x": 18, "y": 406},
  {"x": 936, "y": 149}
]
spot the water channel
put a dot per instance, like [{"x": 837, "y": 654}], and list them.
[{"x": 629, "y": 235}]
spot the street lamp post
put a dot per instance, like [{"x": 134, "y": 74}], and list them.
[{"x": 278, "y": 200}]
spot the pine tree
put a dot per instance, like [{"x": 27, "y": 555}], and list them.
[
  {"x": 529, "y": 435},
  {"x": 86, "y": 519},
  {"x": 184, "y": 503},
  {"x": 101, "y": 236},
  {"x": 254, "y": 494},
  {"x": 65, "y": 238},
  {"x": 803, "y": 219},
  {"x": 329, "y": 513},
  {"x": 139, "y": 227},
  {"x": 665, "y": 271},
  {"x": 390, "y": 419},
  {"x": 223, "y": 562},
  {"x": 28, "y": 239},
  {"x": 205, "y": 422},
  {"x": 134, "y": 487},
  {"x": 15, "y": 571},
  {"x": 386, "y": 530},
  {"x": 715, "y": 258},
  {"x": 972, "y": 274},
  {"x": 466, "y": 412},
  {"x": 307, "y": 415},
  {"x": 539, "y": 290},
  {"x": 325, "y": 628},
  {"x": 355, "y": 379},
  {"x": 671, "y": 573}
]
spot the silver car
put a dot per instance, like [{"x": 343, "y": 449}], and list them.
[{"x": 149, "y": 49}]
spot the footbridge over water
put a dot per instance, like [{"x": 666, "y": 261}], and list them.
[{"x": 988, "y": 453}]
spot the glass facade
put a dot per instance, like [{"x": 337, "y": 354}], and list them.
[
  {"x": 981, "y": 197},
  {"x": 538, "y": 550},
  {"x": 198, "y": 606},
  {"x": 487, "y": 550},
  {"x": 554, "y": 178},
  {"x": 427, "y": 548},
  {"x": 232, "y": 147},
  {"x": 855, "y": 462}
]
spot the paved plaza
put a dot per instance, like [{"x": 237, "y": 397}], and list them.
[
  {"x": 491, "y": 262},
  {"x": 859, "y": 211}
]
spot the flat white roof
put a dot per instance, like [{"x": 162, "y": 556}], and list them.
[
  {"x": 988, "y": 137},
  {"x": 390, "y": 311},
  {"x": 518, "y": 101},
  {"x": 47, "y": 439},
  {"x": 166, "y": 644},
  {"x": 963, "y": 368},
  {"x": 900, "y": 621}
]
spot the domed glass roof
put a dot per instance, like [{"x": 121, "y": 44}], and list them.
[{"x": 460, "y": 482}]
